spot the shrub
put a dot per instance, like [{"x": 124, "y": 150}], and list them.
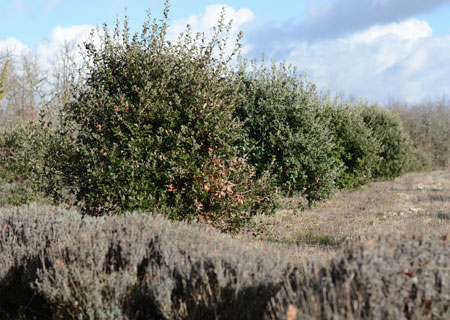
[
  {"x": 24, "y": 174},
  {"x": 387, "y": 128},
  {"x": 153, "y": 127},
  {"x": 403, "y": 279},
  {"x": 58, "y": 265},
  {"x": 418, "y": 160},
  {"x": 286, "y": 132},
  {"x": 355, "y": 146}
]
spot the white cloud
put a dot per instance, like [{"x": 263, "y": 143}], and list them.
[
  {"x": 241, "y": 18},
  {"x": 13, "y": 46},
  {"x": 72, "y": 37},
  {"x": 48, "y": 53},
  {"x": 399, "y": 60},
  {"x": 412, "y": 29},
  {"x": 325, "y": 19}
]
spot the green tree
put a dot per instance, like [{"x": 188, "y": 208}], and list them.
[
  {"x": 152, "y": 128},
  {"x": 387, "y": 129},
  {"x": 355, "y": 146},
  {"x": 286, "y": 131}
]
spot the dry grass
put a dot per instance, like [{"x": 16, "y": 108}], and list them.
[{"x": 414, "y": 204}]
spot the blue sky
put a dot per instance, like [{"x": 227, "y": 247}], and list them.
[
  {"x": 379, "y": 49},
  {"x": 30, "y": 21}
]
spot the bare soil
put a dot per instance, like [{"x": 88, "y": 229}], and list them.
[{"x": 413, "y": 205}]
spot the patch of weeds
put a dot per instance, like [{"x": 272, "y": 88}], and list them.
[
  {"x": 443, "y": 216},
  {"x": 310, "y": 238},
  {"x": 381, "y": 215}
]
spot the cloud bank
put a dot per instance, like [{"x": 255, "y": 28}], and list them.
[
  {"x": 331, "y": 19},
  {"x": 379, "y": 55},
  {"x": 392, "y": 58},
  {"x": 398, "y": 60}
]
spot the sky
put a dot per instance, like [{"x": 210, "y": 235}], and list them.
[{"x": 378, "y": 50}]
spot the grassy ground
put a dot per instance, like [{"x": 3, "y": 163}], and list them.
[{"x": 412, "y": 205}]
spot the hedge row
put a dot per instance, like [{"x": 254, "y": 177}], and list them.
[
  {"x": 173, "y": 127},
  {"x": 58, "y": 265}
]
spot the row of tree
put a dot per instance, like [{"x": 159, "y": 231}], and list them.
[{"x": 176, "y": 128}]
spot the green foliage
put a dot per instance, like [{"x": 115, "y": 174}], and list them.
[
  {"x": 153, "y": 129},
  {"x": 23, "y": 169},
  {"x": 286, "y": 132},
  {"x": 418, "y": 160},
  {"x": 388, "y": 130},
  {"x": 355, "y": 146}
]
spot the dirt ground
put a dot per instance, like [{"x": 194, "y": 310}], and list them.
[{"x": 412, "y": 205}]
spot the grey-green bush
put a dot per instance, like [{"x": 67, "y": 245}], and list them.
[
  {"x": 393, "y": 279},
  {"x": 58, "y": 265},
  {"x": 136, "y": 266},
  {"x": 286, "y": 132}
]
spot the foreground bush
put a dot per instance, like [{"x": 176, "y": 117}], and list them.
[
  {"x": 59, "y": 265},
  {"x": 403, "y": 279},
  {"x": 388, "y": 130},
  {"x": 355, "y": 146},
  {"x": 286, "y": 132},
  {"x": 152, "y": 127}
]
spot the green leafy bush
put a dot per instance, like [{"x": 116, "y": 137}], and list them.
[
  {"x": 418, "y": 160},
  {"x": 286, "y": 132},
  {"x": 355, "y": 146},
  {"x": 24, "y": 171},
  {"x": 153, "y": 129},
  {"x": 388, "y": 130}
]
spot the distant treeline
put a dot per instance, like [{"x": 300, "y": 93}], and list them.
[{"x": 428, "y": 125}]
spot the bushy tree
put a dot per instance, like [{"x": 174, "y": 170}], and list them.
[
  {"x": 285, "y": 130},
  {"x": 387, "y": 128},
  {"x": 152, "y": 128},
  {"x": 355, "y": 146}
]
